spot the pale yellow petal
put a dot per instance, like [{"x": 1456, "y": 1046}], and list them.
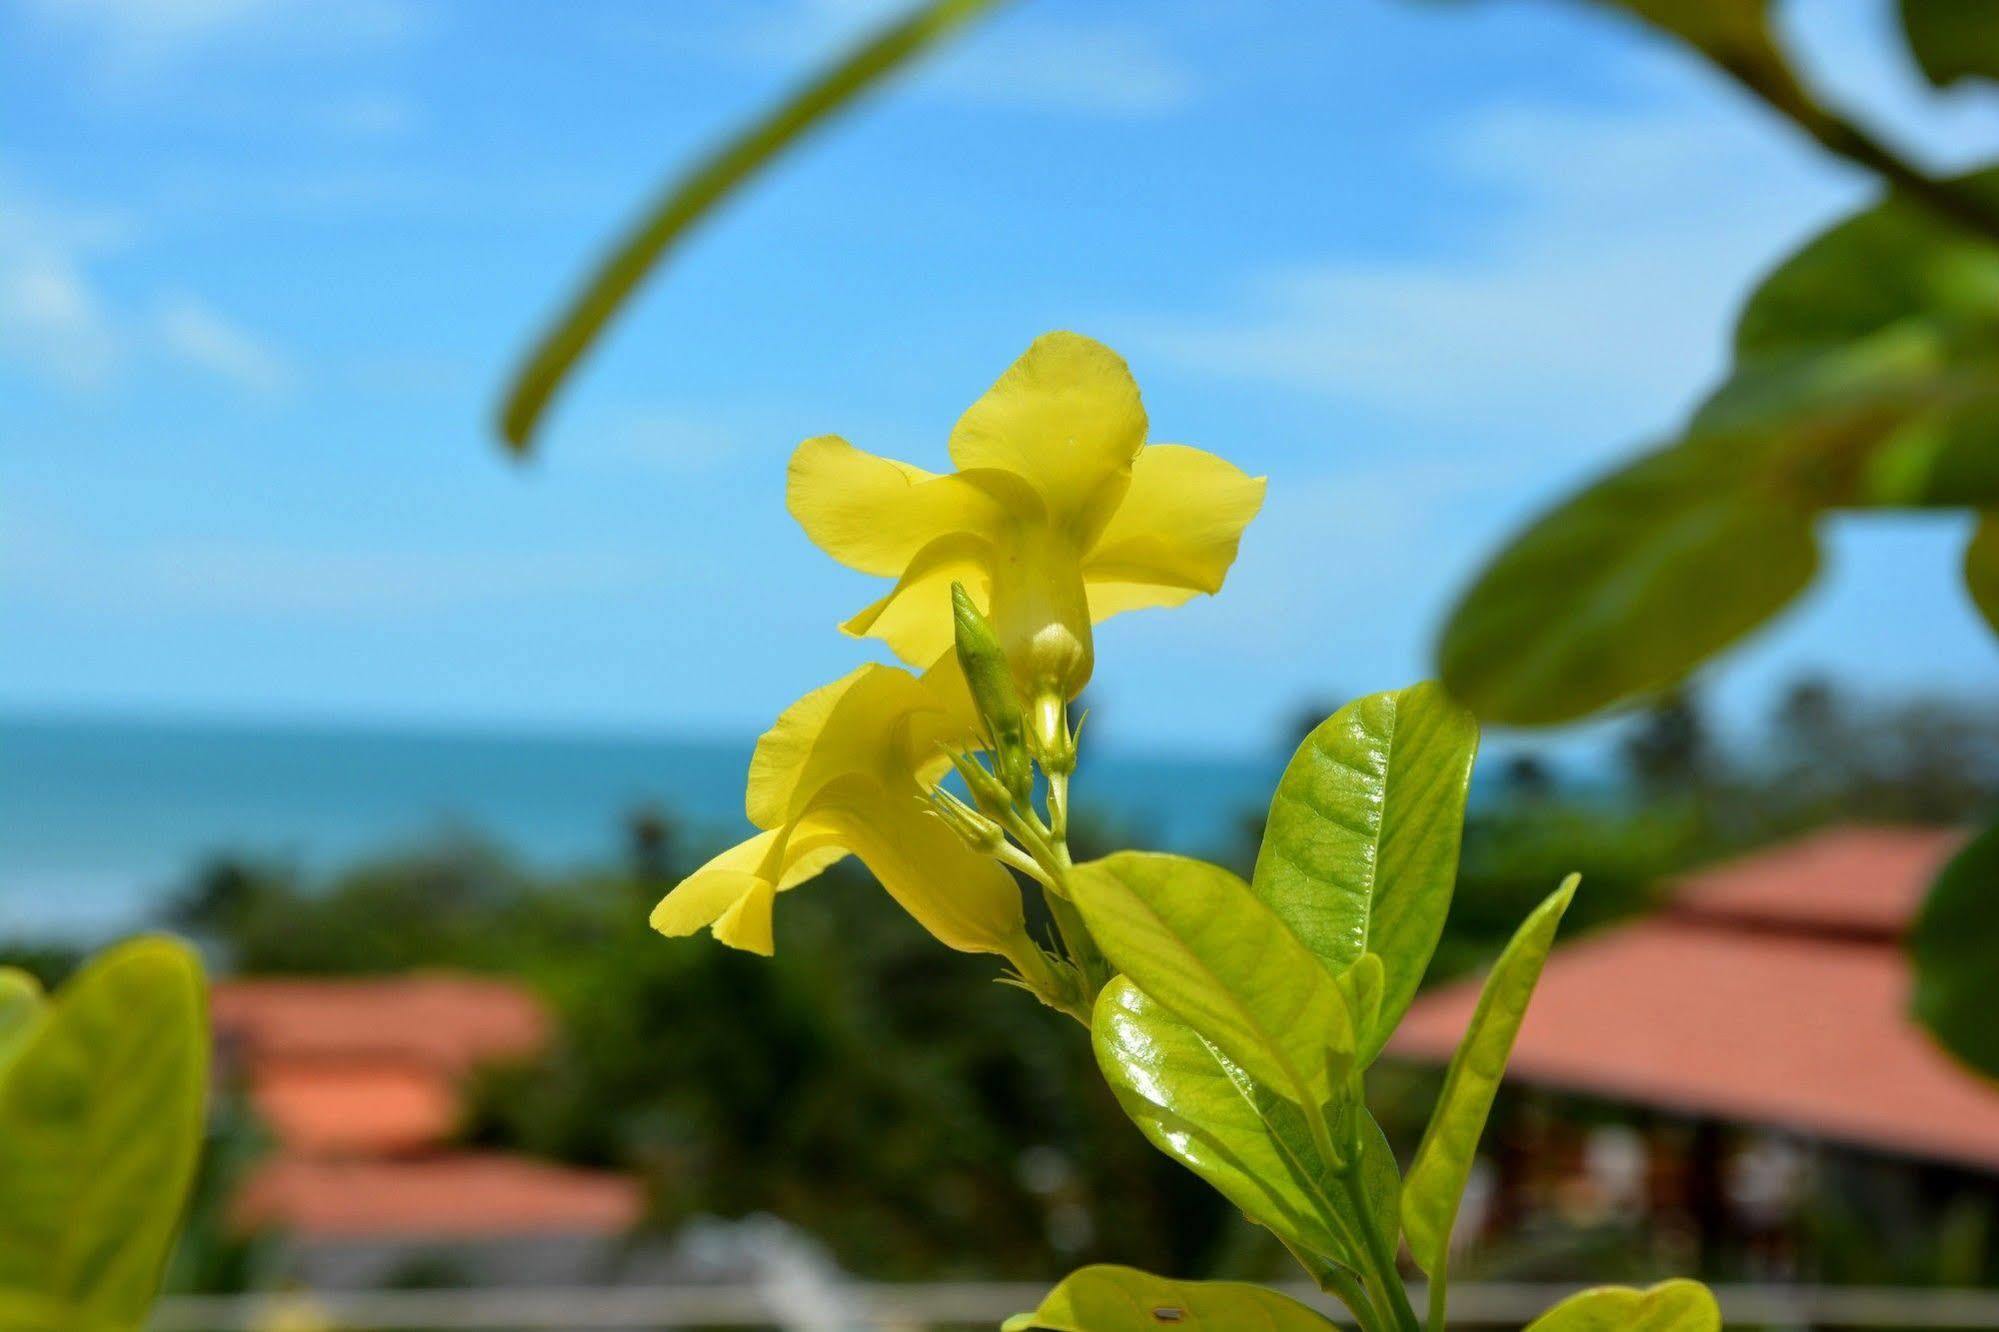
[
  {"x": 874, "y": 514},
  {"x": 967, "y": 901},
  {"x": 747, "y": 923},
  {"x": 1176, "y": 530},
  {"x": 1066, "y": 417},
  {"x": 914, "y": 619},
  {"x": 852, "y": 725},
  {"x": 709, "y": 891},
  {"x": 733, "y": 890}
]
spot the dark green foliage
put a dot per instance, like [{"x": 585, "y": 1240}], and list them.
[{"x": 863, "y": 1084}]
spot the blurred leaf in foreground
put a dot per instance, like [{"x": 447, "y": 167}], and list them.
[
  {"x": 1866, "y": 375},
  {"x": 1123, "y": 1299},
  {"x": 693, "y": 195},
  {"x": 100, "y": 1123},
  {"x": 1953, "y": 945}
]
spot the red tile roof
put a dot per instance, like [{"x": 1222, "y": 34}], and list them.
[
  {"x": 1860, "y": 881},
  {"x": 445, "y": 1022},
  {"x": 355, "y": 1107},
  {"x": 460, "y": 1196},
  {"x": 360, "y": 1082},
  {"x": 1805, "y": 1031}
]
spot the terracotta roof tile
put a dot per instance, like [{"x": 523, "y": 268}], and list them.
[
  {"x": 464, "y": 1196},
  {"x": 354, "y": 1107},
  {"x": 450, "y": 1022},
  {"x": 1802, "y": 1031},
  {"x": 1863, "y": 881}
]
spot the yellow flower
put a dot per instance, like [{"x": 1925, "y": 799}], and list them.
[
  {"x": 845, "y": 769},
  {"x": 1059, "y": 515}
]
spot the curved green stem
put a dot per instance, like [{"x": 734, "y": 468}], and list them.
[{"x": 1438, "y": 1287}]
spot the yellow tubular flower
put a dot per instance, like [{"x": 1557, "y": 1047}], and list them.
[
  {"x": 843, "y": 771},
  {"x": 1059, "y": 515}
]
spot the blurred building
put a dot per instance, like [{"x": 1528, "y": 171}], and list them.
[
  {"x": 359, "y": 1082},
  {"x": 1738, "y": 1076}
]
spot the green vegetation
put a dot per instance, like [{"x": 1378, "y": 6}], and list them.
[{"x": 103, "y": 1085}]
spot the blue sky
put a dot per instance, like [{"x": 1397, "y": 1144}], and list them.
[{"x": 264, "y": 262}]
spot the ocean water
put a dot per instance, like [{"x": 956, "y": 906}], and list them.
[{"x": 101, "y": 820}]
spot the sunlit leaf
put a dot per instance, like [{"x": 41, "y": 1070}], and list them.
[
  {"x": 1954, "y": 945},
  {"x": 1952, "y": 39},
  {"x": 1670, "y": 1306},
  {"x": 1443, "y": 1161},
  {"x": 1626, "y": 587},
  {"x": 1361, "y": 848},
  {"x": 1123, "y": 1299},
  {"x": 696, "y": 193},
  {"x": 1196, "y": 939},
  {"x": 1246, "y": 1140},
  {"x": 20, "y": 1006},
  {"x": 100, "y": 1122}
]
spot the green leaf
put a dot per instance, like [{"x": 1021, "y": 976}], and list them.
[
  {"x": 1626, "y": 587},
  {"x": 1953, "y": 945},
  {"x": 692, "y": 196},
  {"x": 1196, "y": 939},
  {"x": 1361, "y": 848},
  {"x": 1952, "y": 39},
  {"x": 100, "y": 1123},
  {"x": 1104, "y": 1298},
  {"x": 1670, "y": 1306},
  {"x": 21, "y": 1005},
  {"x": 1981, "y": 568},
  {"x": 1900, "y": 305},
  {"x": 1246, "y": 1140},
  {"x": 1886, "y": 264},
  {"x": 1443, "y": 1159}
]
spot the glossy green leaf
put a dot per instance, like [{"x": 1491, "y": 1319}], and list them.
[
  {"x": 1626, "y": 587},
  {"x": 1193, "y": 1103},
  {"x": 1981, "y": 568},
  {"x": 1360, "y": 851},
  {"x": 1196, "y": 939},
  {"x": 1670, "y": 1306},
  {"x": 694, "y": 195},
  {"x": 1953, "y": 39},
  {"x": 100, "y": 1123},
  {"x": 1123, "y": 1299},
  {"x": 20, "y": 1007},
  {"x": 1443, "y": 1160},
  {"x": 1954, "y": 945}
]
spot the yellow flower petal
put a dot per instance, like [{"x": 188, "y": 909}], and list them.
[
  {"x": 1176, "y": 531},
  {"x": 747, "y": 923},
  {"x": 732, "y": 892},
  {"x": 1065, "y": 417},
  {"x": 914, "y": 619},
  {"x": 874, "y": 514},
  {"x": 865, "y": 722},
  {"x": 965, "y": 900}
]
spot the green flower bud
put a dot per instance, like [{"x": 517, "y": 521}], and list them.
[
  {"x": 990, "y": 677},
  {"x": 977, "y": 831},
  {"x": 992, "y": 797}
]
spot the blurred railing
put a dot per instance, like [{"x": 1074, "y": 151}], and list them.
[{"x": 933, "y": 1308}]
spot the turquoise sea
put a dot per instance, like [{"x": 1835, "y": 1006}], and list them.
[{"x": 101, "y": 819}]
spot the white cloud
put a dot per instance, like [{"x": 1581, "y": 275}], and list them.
[
  {"x": 196, "y": 334},
  {"x": 1041, "y": 63},
  {"x": 1588, "y": 298},
  {"x": 131, "y": 38},
  {"x": 53, "y": 320}
]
